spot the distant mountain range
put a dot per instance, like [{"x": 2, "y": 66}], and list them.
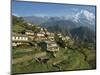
[
  {"x": 35, "y": 19},
  {"x": 76, "y": 21}
]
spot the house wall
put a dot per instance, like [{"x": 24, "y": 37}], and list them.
[
  {"x": 29, "y": 33},
  {"x": 19, "y": 38},
  {"x": 52, "y": 47}
]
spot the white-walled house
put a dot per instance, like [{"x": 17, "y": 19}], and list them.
[
  {"x": 51, "y": 37},
  {"x": 29, "y": 33},
  {"x": 50, "y": 46},
  {"x": 67, "y": 38},
  {"x": 60, "y": 35},
  {"x": 40, "y": 36},
  {"x": 18, "y": 39}
]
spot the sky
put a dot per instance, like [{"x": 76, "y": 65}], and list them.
[{"x": 21, "y": 8}]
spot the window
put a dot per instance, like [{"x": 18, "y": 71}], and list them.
[
  {"x": 13, "y": 38},
  {"x": 16, "y": 38},
  {"x": 23, "y": 38},
  {"x": 20, "y": 38},
  {"x": 26, "y": 38}
]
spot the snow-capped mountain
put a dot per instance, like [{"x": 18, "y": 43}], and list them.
[{"x": 85, "y": 18}]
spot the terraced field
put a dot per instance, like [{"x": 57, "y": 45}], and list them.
[{"x": 66, "y": 59}]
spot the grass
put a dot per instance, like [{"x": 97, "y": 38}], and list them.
[
  {"x": 32, "y": 67},
  {"x": 76, "y": 61},
  {"x": 19, "y": 52},
  {"x": 67, "y": 59}
]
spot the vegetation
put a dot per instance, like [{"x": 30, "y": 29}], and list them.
[{"x": 79, "y": 55}]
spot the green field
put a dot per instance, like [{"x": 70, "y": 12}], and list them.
[{"x": 66, "y": 59}]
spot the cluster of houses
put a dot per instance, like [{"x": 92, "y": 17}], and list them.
[
  {"x": 40, "y": 36},
  {"x": 45, "y": 37},
  {"x": 18, "y": 39}
]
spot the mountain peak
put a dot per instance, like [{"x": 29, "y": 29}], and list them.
[{"x": 84, "y": 16}]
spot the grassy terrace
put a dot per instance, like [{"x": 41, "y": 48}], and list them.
[
  {"x": 66, "y": 59},
  {"x": 19, "y": 52}
]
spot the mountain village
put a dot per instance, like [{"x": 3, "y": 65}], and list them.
[
  {"x": 36, "y": 49},
  {"x": 46, "y": 40}
]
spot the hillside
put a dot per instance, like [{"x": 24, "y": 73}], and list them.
[
  {"x": 74, "y": 44},
  {"x": 84, "y": 33}
]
